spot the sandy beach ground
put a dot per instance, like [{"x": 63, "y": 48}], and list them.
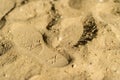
[{"x": 59, "y": 39}]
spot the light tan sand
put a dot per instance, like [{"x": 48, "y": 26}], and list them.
[{"x": 59, "y": 39}]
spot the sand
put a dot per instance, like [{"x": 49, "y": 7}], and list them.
[{"x": 59, "y": 39}]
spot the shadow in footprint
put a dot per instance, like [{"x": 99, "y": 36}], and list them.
[
  {"x": 89, "y": 32},
  {"x": 5, "y": 46}
]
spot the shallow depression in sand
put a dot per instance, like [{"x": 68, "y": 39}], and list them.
[{"x": 59, "y": 40}]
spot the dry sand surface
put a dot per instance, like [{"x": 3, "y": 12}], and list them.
[{"x": 59, "y": 39}]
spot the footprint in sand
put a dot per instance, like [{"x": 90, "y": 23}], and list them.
[{"x": 29, "y": 39}]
